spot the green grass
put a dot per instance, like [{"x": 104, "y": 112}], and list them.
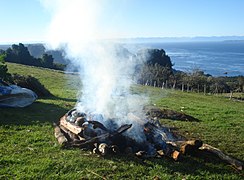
[{"x": 28, "y": 149}]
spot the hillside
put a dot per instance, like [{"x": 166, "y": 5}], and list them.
[{"x": 29, "y": 150}]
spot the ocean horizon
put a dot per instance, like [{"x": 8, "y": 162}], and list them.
[
  {"x": 220, "y": 58},
  {"x": 224, "y": 58}
]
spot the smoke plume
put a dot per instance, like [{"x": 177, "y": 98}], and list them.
[{"x": 106, "y": 68}]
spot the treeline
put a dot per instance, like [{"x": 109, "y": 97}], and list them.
[
  {"x": 20, "y": 54},
  {"x": 158, "y": 72}
]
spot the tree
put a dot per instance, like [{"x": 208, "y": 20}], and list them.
[
  {"x": 19, "y": 54},
  {"x": 47, "y": 60},
  {"x": 219, "y": 85},
  {"x": 4, "y": 75},
  {"x": 2, "y": 52},
  {"x": 156, "y": 67},
  {"x": 179, "y": 80},
  {"x": 240, "y": 80},
  {"x": 198, "y": 80}
]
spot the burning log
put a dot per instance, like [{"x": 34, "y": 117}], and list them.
[
  {"x": 87, "y": 142},
  {"x": 86, "y": 132},
  {"x": 71, "y": 136},
  {"x": 97, "y": 124},
  {"x": 101, "y": 137},
  {"x": 71, "y": 127},
  {"x": 122, "y": 129}
]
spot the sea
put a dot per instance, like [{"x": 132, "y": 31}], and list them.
[
  {"x": 219, "y": 58},
  {"x": 224, "y": 58}
]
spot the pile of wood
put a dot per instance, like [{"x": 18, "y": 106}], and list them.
[
  {"x": 80, "y": 130},
  {"x": 77, "y": 130},
  {"x": 87, "y": 134}
]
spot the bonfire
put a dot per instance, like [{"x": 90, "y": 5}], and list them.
[{"x": 104, "y": 136}]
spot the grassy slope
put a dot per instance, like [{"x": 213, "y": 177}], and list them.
[{"x": 28, "y": 148}]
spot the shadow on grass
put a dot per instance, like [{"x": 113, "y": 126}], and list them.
[
  {"x": 41, "y": 111},
  {"x": 60, "y": 98},
  {"x": 188, "y": 165}
]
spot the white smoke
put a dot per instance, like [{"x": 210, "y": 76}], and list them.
[{"x": 106, "y": 75}]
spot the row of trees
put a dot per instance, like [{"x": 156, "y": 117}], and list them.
[
  {"x": 158, "y": 71},
  {"x": 197, "y": 81},
  {"x": 20, "y": 54}
]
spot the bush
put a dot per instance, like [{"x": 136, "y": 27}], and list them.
[
  {"x": 4, "y": 75},
  {"x": 32, "y": 84}
]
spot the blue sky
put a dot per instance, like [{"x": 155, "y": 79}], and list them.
[{"x": 28, "y": 20}]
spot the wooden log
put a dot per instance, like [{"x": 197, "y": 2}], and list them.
[
  {"x": 90, "y": 141},
  {"x": 122, "y": 129},
  {"x": 97, "y": 124},
  {"x": 103, "y": 149},
  {"x": 172, "y": 153},
  {"x": 237, "y": 164},
  {"x": 96, "y": 139},
  {"x": 70, "y": 126},
  {"x": 161, "y": 152},
  {"x": 196, "y": 143},
  {"x": 62, "y": 140},
  {"x": 71, "y": 136},
  {"x": 175, "y": 155},
  {"x": 191, "y": 146}
]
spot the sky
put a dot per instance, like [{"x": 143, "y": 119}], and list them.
[{"x": 29, "y": 20}]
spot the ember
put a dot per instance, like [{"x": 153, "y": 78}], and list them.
[{"x": 93, "y": 132}]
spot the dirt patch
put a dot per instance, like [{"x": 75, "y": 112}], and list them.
[{"x": 155, "y": 112}]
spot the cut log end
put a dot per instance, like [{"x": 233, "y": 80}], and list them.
[
  {"x": 71, "y": 127},
  {"x": 59, "y": 135},
  {"x": 176, "y": 155}
]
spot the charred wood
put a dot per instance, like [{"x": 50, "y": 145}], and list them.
[
  {"x": 97, "y": 124},
  {"x": 91, "y": 141},
  {"x": 122, "y": 129}
]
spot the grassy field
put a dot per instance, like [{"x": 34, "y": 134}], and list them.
[{"x": 28, "y": 149}]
